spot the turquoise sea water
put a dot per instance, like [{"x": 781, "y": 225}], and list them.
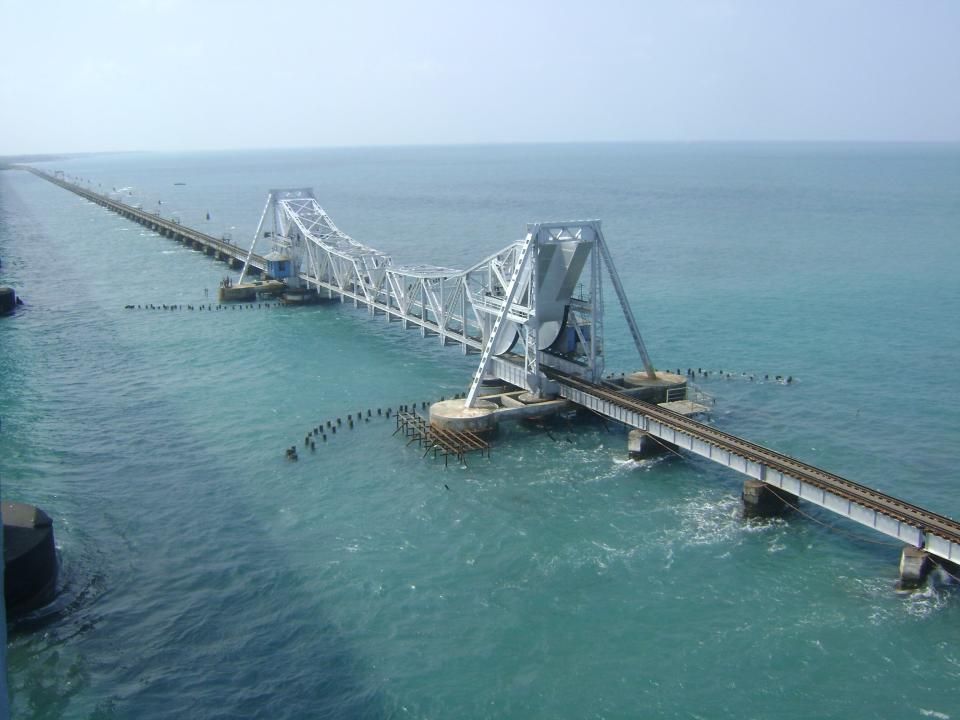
[{"x": 204, "y": 576}]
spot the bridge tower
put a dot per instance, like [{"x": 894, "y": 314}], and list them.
[
  {"x": 552, "y": 309},
  {"x": 287, "y": 241}
]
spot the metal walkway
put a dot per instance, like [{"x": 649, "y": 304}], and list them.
[
  {"x": 886, "y": 514},
  {"x": 442, "y": 442}
]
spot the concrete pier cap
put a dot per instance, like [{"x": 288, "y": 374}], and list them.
[{"x": 455, "y": 415}]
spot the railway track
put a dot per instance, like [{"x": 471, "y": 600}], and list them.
[
  {"x": 914, "y": 515},
  {"x": 146, "y": 218}
]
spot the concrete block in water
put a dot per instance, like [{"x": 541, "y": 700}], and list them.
[
  {"x": 454, "y": 415},
  {"x": 915, "y": 565},
  {"x": 8, "y": 300},
  {"x": 29, "y": 558},
  {"x": 763, "y": 500},
  {"x": 641, "y": 444}
]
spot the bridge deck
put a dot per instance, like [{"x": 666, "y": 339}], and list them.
[
  {"x": 227, "y": 250},
  {"x": 891, "y": 516}
]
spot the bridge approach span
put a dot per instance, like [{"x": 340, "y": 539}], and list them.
[{"x": 911, "y": 524}]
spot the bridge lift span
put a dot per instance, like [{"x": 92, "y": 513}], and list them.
[{"x": 537, "y": 303}]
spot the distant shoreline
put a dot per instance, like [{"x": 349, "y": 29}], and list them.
[{"x": 7, "y": 161}]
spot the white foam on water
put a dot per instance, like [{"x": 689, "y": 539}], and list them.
[
  {"x": 925, "y": 601},
  {"x": 668, "y": 555},
  {"x": 881, "y": 591},
  {"x": 629, "y": 464},
  {"x": 611, "y": 553},
  {"x": 709, "y": 520}
]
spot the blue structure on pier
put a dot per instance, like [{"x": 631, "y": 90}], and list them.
[{"x": 279, "y": 267}]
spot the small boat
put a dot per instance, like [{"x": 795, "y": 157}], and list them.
[{"x": 179, "y": 183}]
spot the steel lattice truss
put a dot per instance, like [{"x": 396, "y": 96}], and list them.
[{"x": 491, "y": 307}]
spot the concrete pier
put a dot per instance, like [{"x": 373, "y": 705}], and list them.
[
  {"x": 500, "y": 404},
  {"x": 763, "y": 500},
  {"x": 662, "y": 389},
  {"x": 915, "y": 565},
  {"x": 8, "y": 300},
  {"x": 29, "y": 558},
  {"x": 642, "y": 445},
  {"x": 301, "y": 296},
  {"x": 250, "y": 291},
  {"x": 487, "y": 413},
  {"x": 454, "y": 415}
]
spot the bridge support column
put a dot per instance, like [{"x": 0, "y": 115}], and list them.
[
  {"x": 30, "y": 558},
  {"x": 481, "y": 419},
  {"x": 763, "y": 500},
  {"x": 915, "y": 565},
  {"x": 641, "y": 445}
]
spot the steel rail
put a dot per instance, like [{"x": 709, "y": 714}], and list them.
[{"x": 901, "y": 510}]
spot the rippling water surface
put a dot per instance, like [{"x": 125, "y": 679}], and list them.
[{"x": 203, "y": 576}]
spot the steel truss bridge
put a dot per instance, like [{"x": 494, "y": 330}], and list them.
[
  {"x": 517, "y": 303},
  {"x": 534, "y": 312}
]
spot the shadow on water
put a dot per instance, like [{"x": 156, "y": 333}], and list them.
[
  {"x": 173, "y": 599},
  {"x": 217, "y": 630},
  {"x": 193, "y": 653}
]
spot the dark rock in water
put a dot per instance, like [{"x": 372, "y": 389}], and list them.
[
  {"x": 29, "y": 558},
  {"x": 8, "y": 300}
]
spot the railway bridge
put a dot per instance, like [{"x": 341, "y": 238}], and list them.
[{"x": 533, "y": 311}]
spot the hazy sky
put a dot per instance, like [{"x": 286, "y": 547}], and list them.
[{"x": 86, "y": 75}]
